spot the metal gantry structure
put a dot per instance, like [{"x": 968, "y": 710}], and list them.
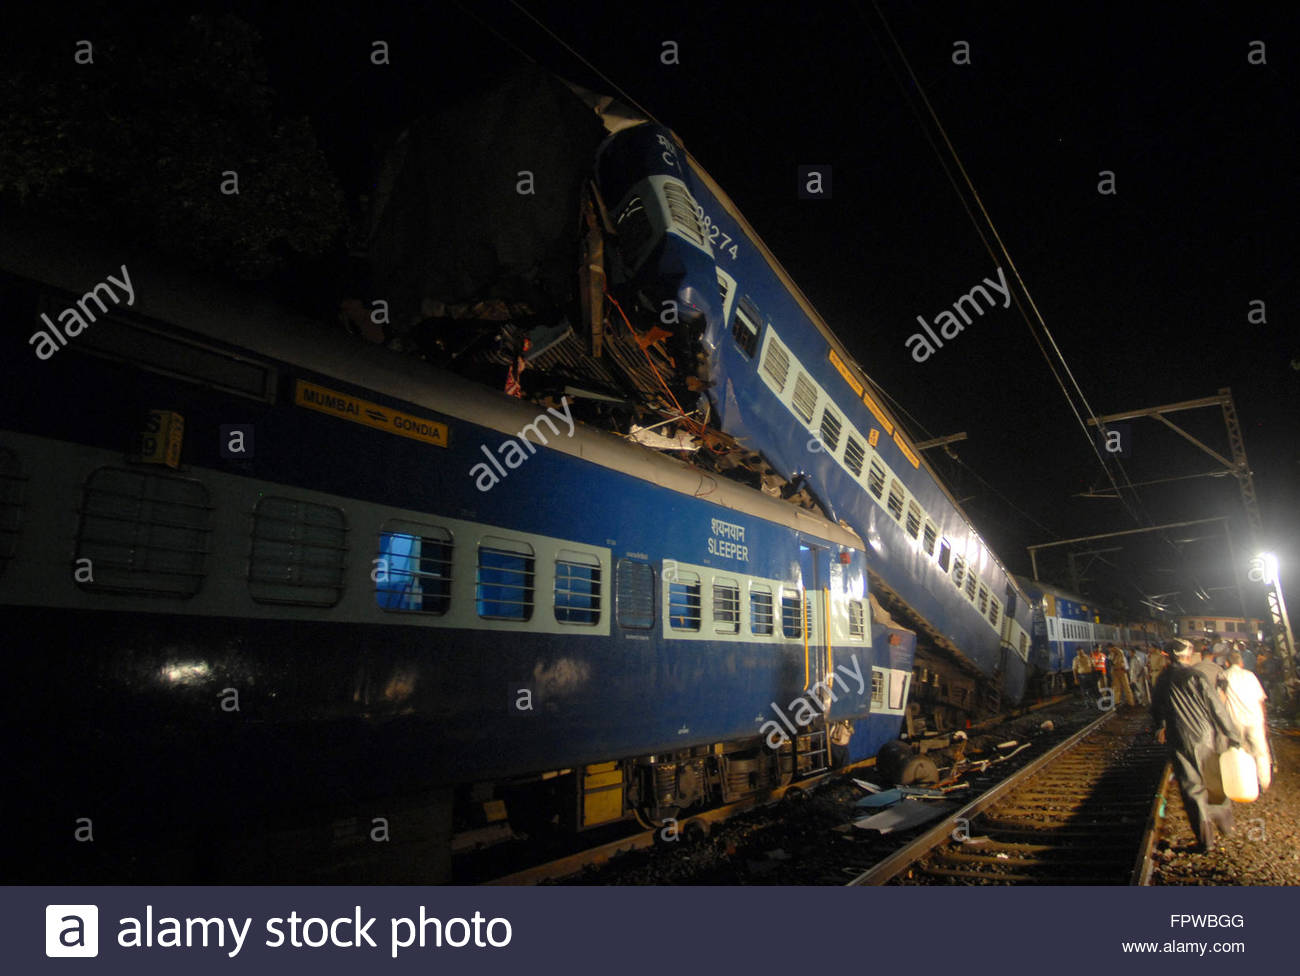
[{"x": 1238, "y": 467}]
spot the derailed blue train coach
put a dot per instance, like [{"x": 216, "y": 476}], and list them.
[{"x": 780, "y": 382}]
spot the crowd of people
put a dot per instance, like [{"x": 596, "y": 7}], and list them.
[{"x": 1205, "y": 696}]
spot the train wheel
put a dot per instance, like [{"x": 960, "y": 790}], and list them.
[{"x": 919, "y": 771}]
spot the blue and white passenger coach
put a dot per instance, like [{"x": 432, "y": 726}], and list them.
[
  {"x": 249, "y": 567},
  {"x": 782, "y": 384}
]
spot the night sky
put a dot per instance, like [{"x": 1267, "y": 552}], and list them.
[{"x": 1146, "y": 291}]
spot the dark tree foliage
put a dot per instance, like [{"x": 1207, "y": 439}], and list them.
[{"x": 135, "y": 144}]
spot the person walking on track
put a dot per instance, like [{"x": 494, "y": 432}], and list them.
[
  {"x": 1245, "y": 699},
  {"x": 1191, "y": 719}
]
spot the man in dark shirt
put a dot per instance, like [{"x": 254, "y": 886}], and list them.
[{"x": 1192, "y": 720}]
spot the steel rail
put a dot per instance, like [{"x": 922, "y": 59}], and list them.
[
  {"x": 1143, "y": 867},
  {"x": 903, "y": 858},
  {"x": 601, "y": 854}
]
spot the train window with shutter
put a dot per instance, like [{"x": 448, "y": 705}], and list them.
[
  {"x": 13, "y": 503},
  {"x": 895, "y": 502},
  {"x": 412, "y": 572},
  {"x": 299, "y": 552},
  {"x": 682, "y": 212},
  {"x": 761, "y": 616},
  {"x": 878, "y": 681},
  {"x": 684, "y": 601},
  {"x": 143, "y": 533},
  {"x": 1024, "y": 644},
  {"x": 744, "y": 328},
  {"x": 913, "y": 519},
  {"x": 726, "y": 606},
  {"x": 577, "y": 588},
  {"x": 776, "y": 363},
  {"x": 995, "y": 611},
  {"x": 945, "y": 553},
  {"x": 830, "y": 429},
  {"x": 791, "y": 613},
  {"x": 971, "y": 581},
  {"x": 804, "y": 398},
  {"x": 854, "y": 455},
  {"x": 504, "y": 586},
  {"x": 959, "y": 572},
  {"x": 876, "y": 479},
  {"x": 983, "y": 599},
  {"x": 857, "y": 619},
  {"x": 634, "y": 594},
  {"x": 929, "y": 538}
]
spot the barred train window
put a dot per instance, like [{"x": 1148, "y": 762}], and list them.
[
  {"x": 299, "y": 552},
  {"x": 830, "y": 429},
  {"x": 577, "y": 588},
  {"x": 684, "y": 601},
  {"x": 913, "y": 519},
  {"x": 726, "y": 606},
  {"x": 13, "y": 499},
  {"x": 929, "y": 538},
  {"x": 877, "y": 689},
  {"x": 804, "y": 398},
  {"x": 857, "y": 619},
  {"x": 413, "y": 570},
  {"x": 971, "y": 581},
  {"x": 143, "y": 533},
  {"x": 791, "y": 613},
  {"x": 854, "y": 455},
  {"x": 995, "y": 611},
  {"x": 776, "y": 363},
  {"x": 895, "y": 503},
  {"x": 681, "y": 210},
  {"x": 876, "y": 479},
  {"x": 505, "y": 579},
  {"x": 760, "y": 611},
  {"x": 984, "y": 599},
  {"x": 959, "y": 572},
  {"x": 634, "y": 594}
]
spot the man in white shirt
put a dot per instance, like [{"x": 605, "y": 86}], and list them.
[{"x": 1245, "y": 701}]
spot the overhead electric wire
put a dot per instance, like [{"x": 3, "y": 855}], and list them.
[
  {"x": 1005, "y": 254},
  {"x": 1135, "y": 509},
  {"x": 604, "y": 77}
]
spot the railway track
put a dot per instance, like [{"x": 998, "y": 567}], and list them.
[
  {"x": 701, "y": 825},
  {"x": 1083, "y": 813}
]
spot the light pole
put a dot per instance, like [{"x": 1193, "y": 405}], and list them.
[{"x": 1265, "y": 569}]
